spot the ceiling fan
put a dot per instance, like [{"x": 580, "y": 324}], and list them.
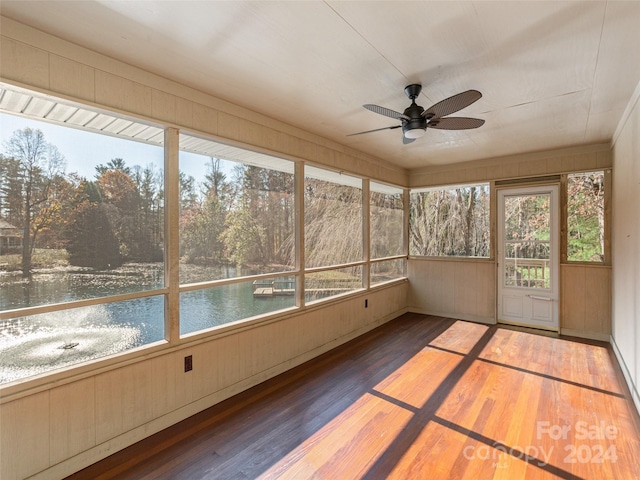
[{"x": 415, "y": 119}]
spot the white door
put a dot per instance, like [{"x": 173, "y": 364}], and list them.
[{"x": 528, "y": 261}]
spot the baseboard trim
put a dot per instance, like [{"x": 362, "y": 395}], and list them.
[
  {"x": 456, "y": 316},
  {"x": 603, "y": 337},
  {"x": 626, "y": 373}
]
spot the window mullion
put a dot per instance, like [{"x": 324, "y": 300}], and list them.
[
  {"x": 299, "y": 231},
  {"x": 366, "y": 234},
  {"x": 172, "y": 246}
]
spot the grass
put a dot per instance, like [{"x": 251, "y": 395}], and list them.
[{"x": 41, "y": 258}]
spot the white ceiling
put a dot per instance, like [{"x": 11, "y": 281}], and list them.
[{"x": 552, "y": 74}]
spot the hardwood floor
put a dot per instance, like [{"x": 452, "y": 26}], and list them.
[{"x": 420, "y": 397}]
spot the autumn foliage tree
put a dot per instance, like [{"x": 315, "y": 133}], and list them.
[{"x": 36, "y": 170}]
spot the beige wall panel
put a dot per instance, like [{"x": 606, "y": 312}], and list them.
[
  {"x": 123, "y": 399},
  {"x": 495, "y": 171},
  {"x": 567, "y": 163},
  {"x": 310, "y": 330},
  {"x": 573, "y": 297},
  {"x": 457, "y": 288},
  {"x": 291, "y": 329},
  {"x": 277, "y": 141},
  {"x": 228, "y": 126},
  {"x": 510, "y": 170},
  {"x": 532, "y": 169},
  {"x": 486, "y": 276},
  {"x": 626, "y": 244},
  {"x": 466, "y": 287},
  {"x": 586, "y": 161},
  {"x": 73, "y": 419},
  {"x": 72, "y": 78},
  {"x": 482, "y": 172},
  {"x": 205, "y": 119},
  {"x": 420, "y": 285},
  {"x": 228, "y": 362},
  {"x": 604, "y": 159},
  {"x": 163, "y": 106},
  {"x": 303, "y": 148},
  {"x": 24, "y": 436},
  {"x": 167, "y": 390},
  {"x": 278, "y": 346},
  {"x": 251, "y": 133},
  {"x": 447, "y": 287},
  {"x": 452, "y": 177},
  {"x": 327, "y": 156},
  {"x": 123, "y": 94},
  {"x": 588, "y": 157},
  {"x": 24, "y": 63},
  {"x": 586, "y": 299},
  {"x": 184, "y": 112},
  {"x": 598, "y": 299}
]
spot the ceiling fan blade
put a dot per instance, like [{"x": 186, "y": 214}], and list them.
[
  {"x": 385, "y": 111},
  {"x": 453, "y": 104},
  {"x": 455, "y": 123},
  {"x": 406, "y": 140},
  {"x": 374, "y": 130}
]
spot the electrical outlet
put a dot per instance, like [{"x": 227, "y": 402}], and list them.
[{"x": 188, "y": 363}]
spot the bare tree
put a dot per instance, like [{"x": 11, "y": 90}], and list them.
[{"x": 40, "y": 166}]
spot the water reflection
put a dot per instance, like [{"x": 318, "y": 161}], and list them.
[
  {"x": 30, "y": 345},
  {"x": 35, "y": 344},
  {"x": 64, "y": 285},
  {"x": 211, "y": 307}
]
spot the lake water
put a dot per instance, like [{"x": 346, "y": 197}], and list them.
[{"x": 34, "y": 344}]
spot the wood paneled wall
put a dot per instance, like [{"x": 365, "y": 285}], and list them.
[
  {"x": 466, "y": 290},
  {"x": 462, "y": 289},
  {"x": 585, "y": 301},
  {"x": 578, "y": 159},
  {"x": 626, "y": 245}
]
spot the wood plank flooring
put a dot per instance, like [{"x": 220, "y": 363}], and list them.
[{"x": 418, "y": 398}]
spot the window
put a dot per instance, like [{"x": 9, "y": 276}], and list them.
[
  {"x": 585, "y": 217},
  {"x": 83, "y": 268},
  {"x": 81, "y": 223},
  {"x": 386, "y": 227},
  {"x": 450, "y": 221},
  {"x": 333, "y": 232},
  {"x": 236, "y": 220}
]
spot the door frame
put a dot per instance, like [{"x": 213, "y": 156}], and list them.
[{"x": 554, "y": 190}]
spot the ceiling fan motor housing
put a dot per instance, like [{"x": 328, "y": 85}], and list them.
[{"x": 416, "y": 125}]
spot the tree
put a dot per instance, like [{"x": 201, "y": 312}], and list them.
[
  {"x": 244, "y": 238},
  {"x": 452, "y": 222},
  {"x": 90, "y": 240},
  {"x": 11, "y": 200},
  {"x": 39, "y": 166},
  {"x": 333, "y": 223},
  {"x": 585, "y": 217},
  {"x": 201, "y": 227},
  {"x": 113, "y": 164}
]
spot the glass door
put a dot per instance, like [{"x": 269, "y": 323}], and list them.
[{"x": 528, "y": 258}]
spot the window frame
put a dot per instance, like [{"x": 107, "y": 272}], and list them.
[
  {"x": 564, "y": 218},
  {"x": 490, "y": 221}
]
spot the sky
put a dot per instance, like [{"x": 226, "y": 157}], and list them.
[{"x": 84, "y": 150}]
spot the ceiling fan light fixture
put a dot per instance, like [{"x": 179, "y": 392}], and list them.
[{"x": 415, "y": 132}]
